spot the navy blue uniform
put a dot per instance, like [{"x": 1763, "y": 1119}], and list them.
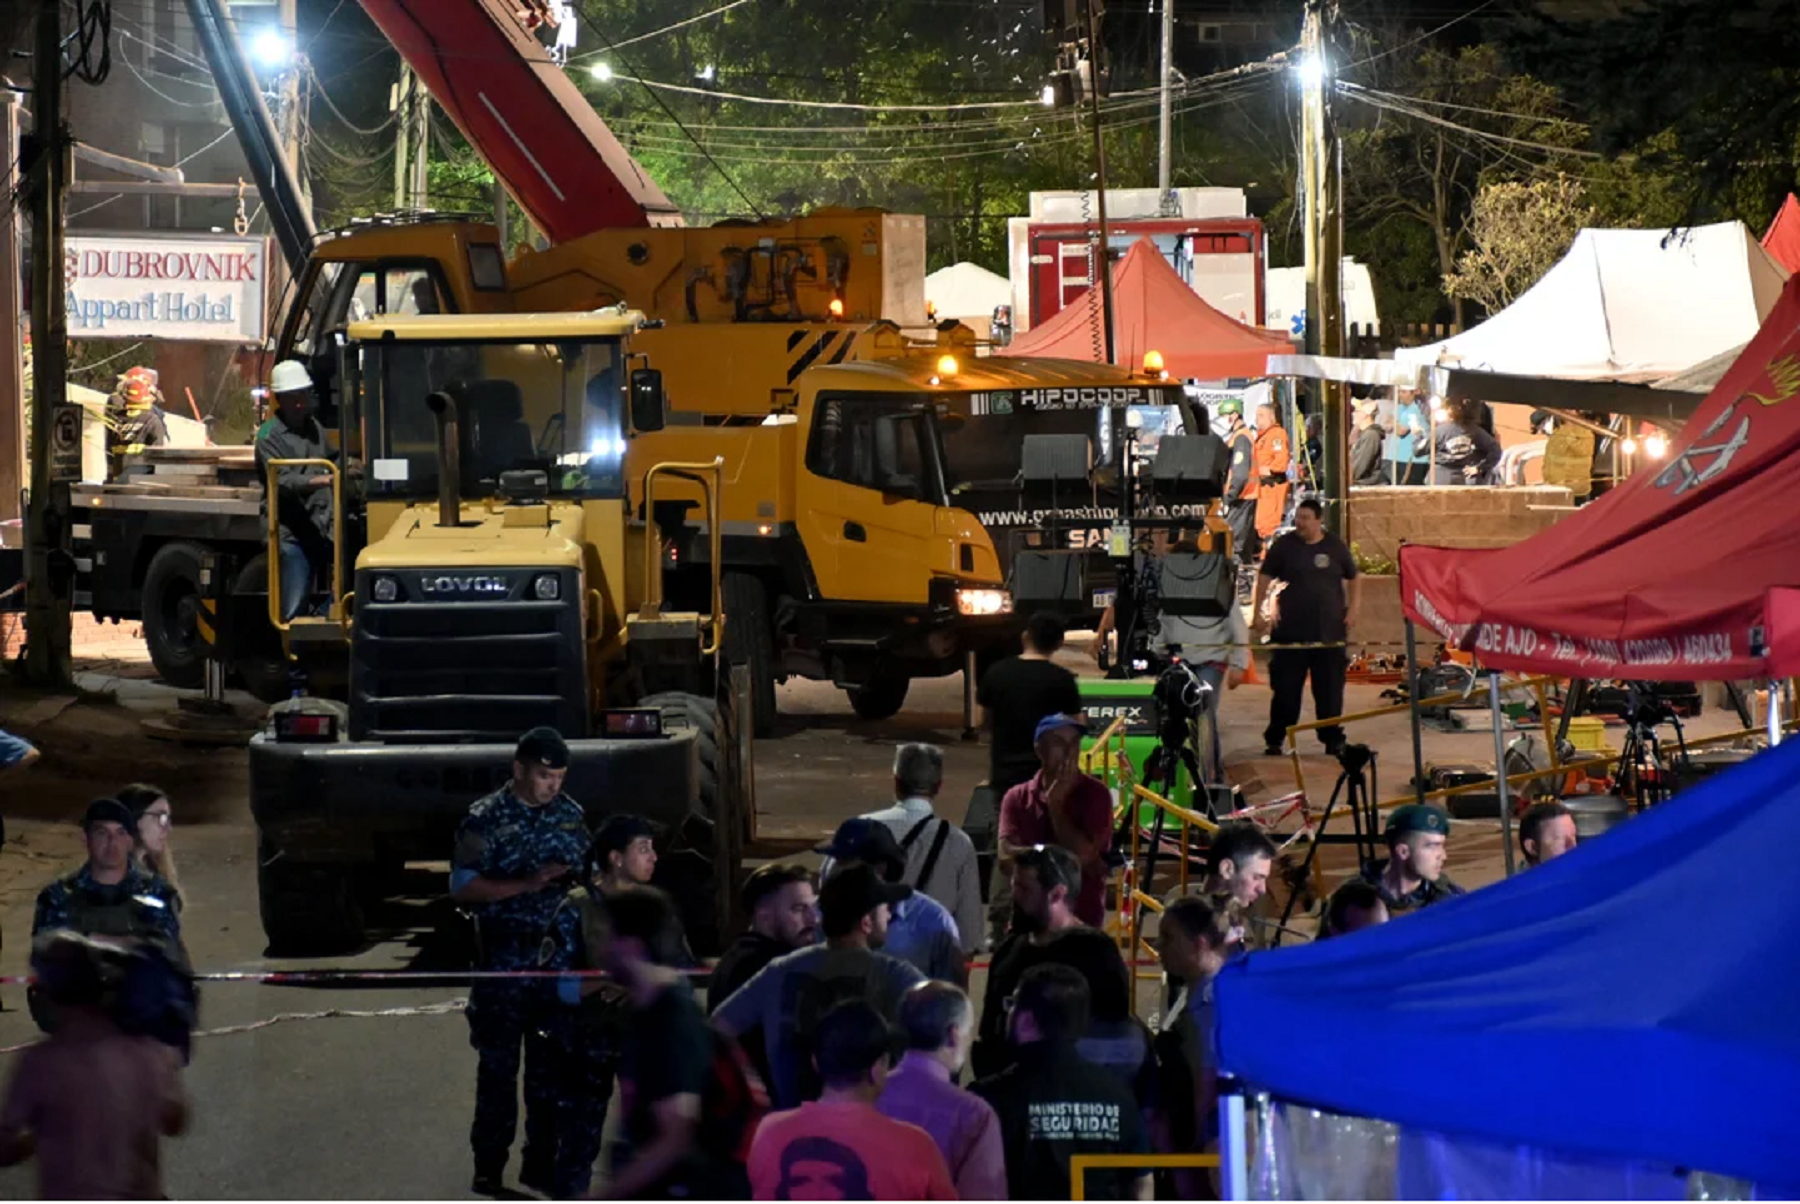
[{"x": 502, "y": 838}]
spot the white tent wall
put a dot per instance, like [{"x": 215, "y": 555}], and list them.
[
  {"x": 968, "y": 292},
  {"x": 1625, "y": 305}
]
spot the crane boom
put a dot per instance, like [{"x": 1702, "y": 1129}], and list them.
[{"x": 523, "y": 115}]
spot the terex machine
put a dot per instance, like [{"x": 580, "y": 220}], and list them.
[{"x": 505, "y": 579}]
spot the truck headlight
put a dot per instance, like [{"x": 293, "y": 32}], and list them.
[
  {"x": 385, "y": 589},
  {"x": 983, "y": 602},
  {"x": 547, "y": 587}
]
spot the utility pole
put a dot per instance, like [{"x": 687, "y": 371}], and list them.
[
  {"x": 402, "y": 127},
  {"x": 501, "y": 215},
  {"x": 1102, "y": 259},
  {"x": 49, "y": 656},
  {"x": 421, "y": 140},
  {"x": 1165, "y": 119},
  {"x": 1320, "y": 180},
  {"x": 13, "y": 473}
]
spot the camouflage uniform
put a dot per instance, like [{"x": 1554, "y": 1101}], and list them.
[
  {"x": 142, "y": 906},
  {"x": 1423, "y": 895},
  {"x": 593, "y": 1032},
  {"x": 502, "y": 838}
]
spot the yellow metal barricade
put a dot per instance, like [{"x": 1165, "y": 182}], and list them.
[{"x": 1081, "y": 1164}]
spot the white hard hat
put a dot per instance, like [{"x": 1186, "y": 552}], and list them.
[{"x": 289, "y": 376}]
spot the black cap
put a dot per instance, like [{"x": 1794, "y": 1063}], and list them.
[
  {"x": 866, "y": 840},
  {"x": 543, "y": 746},
  {"x": 852, "y": 893},
  {"x": 849, "y": 1040},
  {"x": 109, "y": 810},
  {"x": 616, "y": 832}
]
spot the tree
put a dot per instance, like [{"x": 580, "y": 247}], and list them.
[{"x": 1517, "y": 232}]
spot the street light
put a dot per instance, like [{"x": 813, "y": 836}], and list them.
[
  {"x": 1310, "y": 69},
  {"x": 271, "y": 48},
  {"x": 601, "y": 71}
]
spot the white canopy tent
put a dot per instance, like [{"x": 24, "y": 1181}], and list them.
[
  {"x": 967, "y": 290},
  {"x": 1625, "y": 306}
]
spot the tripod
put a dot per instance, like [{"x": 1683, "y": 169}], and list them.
[
  {"x": 1641, "y": 759},
  {"x": 1356, "y": 786}
]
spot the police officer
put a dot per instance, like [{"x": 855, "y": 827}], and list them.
[
  {"x": 303, "y": 503},
  {"x": 111, "y": 895},
  {"x": 1412, "y": 875},
  {"x": 513, "y": 852}
]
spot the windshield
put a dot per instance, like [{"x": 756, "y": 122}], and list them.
[
  {"x": 557, "y": 407},
  {"x": 985, "y": 433}
]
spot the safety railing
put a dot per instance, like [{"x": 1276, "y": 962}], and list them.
[
  {"x": 710, "y": 477},
  {"x": 1081, "y": 1164},
  {"x": 278, "y": 620}
]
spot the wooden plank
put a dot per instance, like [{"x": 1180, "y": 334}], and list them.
[{"x": 94, "y": 499}]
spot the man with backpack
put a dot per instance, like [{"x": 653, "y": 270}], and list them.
[
  {"x": 920, "y": 930},
  {"x": 939, "y": 856},
  {"x": 787, "y": 997},
  {"x": 691, "y": 1104}
]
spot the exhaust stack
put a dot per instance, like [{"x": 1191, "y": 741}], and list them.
[{"x": 443, "y": 408}]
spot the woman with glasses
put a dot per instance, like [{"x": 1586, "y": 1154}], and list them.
[{"x": 149, "y": 805}]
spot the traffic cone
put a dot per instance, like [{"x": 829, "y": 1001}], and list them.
[{"x": 1251, "y": 676}]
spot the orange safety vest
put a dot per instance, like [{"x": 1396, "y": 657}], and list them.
[{"x": 1272, "y": 460}]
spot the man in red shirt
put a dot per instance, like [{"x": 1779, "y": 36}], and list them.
[
  {"x": 1062, "y": 806},
  {"x": 839, "y": 1147}
]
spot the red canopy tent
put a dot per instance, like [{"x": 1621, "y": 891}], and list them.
[
  {"x": 1688, "y": 571},
  {"x": 1783, "y": 239},
  {"x": 1155, "y": 310}
]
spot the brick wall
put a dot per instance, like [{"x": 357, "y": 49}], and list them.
[
  {"x": 1452, "y": 516},
  {"x": 87, "y": 634}
]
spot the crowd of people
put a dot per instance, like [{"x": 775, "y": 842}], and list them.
[
  {"x": 834, "y": 1051},
  {"x": 1406, "y": 443}
]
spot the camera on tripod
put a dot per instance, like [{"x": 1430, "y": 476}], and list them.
[{"x": 1178, "y": 696}]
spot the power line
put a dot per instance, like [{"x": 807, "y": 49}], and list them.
[
  {"x": 657, "y": 33},
  {"x": 1426, "y": 36},
  {"x": 1416, "y": 114}
]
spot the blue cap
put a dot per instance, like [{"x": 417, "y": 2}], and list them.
[{"x": 1051, "y": 723}]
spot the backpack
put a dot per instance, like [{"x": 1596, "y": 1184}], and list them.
[{"x": 733, "y": 1102}]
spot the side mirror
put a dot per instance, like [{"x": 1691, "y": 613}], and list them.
[{"x": 649, "y": 406}]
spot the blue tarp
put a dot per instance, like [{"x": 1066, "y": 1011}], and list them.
[{"x": 1638, "y": 998}]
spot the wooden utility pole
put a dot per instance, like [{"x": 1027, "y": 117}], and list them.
[
  {"x": 1165, "y": 131},
  {"x": 1320, "y": 180},
  {"x": 48, "y": 570},
  {"x": 402, "y": 127},
  {"x": 421, "y": 144},
  {"x": 13, "y": 474}
]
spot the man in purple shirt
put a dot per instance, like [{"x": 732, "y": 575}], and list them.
[{"x": 939, "y": 1023}]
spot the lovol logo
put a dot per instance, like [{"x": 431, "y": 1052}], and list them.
[{"x": 482, "y": 587}]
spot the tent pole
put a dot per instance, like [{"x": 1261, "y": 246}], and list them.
[
  {"x": 1234, "y": 1147},
  {"x": 1774, "y": 711},
  {"x": 1500, "y": 785},
  {"x": 1412, "y": 702}
]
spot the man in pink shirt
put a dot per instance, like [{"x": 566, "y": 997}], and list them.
[
  {"x": 839, "y": 1147},
  {"x": 939, "y": 1023},
  {"x": 1063, "y": 806},
  {"x": 92, "y": 1102}
]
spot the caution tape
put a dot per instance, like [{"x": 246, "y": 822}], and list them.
[{"x": 449, "y": 1007}]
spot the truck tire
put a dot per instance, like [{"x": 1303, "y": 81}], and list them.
[
  {"x": 881, "y": 697},
  {"x": 750, "y": 641},
  {"x": 307, "y": 909},
  {"x": 171, "y": 604},
  {"x": 688, "y": 868},
  {"x": 263, "y": 666}
]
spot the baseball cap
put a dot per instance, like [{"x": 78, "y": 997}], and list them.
[
  {"x": 1051, "y": 723},
  {"x": 853, "y": 892},
  {"x": 849, "y": 1040},
  {"x": 109, "y": 810},
  {"x": 543, "y": 746},
  {"x": 616, "y": 832},
  {"x": 863, "y": 839},
  {"x": 1418, "y": 817}
]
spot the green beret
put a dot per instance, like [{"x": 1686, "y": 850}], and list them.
[{"x": 1418, "y": 817}]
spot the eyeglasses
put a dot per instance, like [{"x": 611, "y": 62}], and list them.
[{"x": 161, "y": 817}]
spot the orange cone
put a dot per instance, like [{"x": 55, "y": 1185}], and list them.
[{"x": 1251, "y": 676}]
